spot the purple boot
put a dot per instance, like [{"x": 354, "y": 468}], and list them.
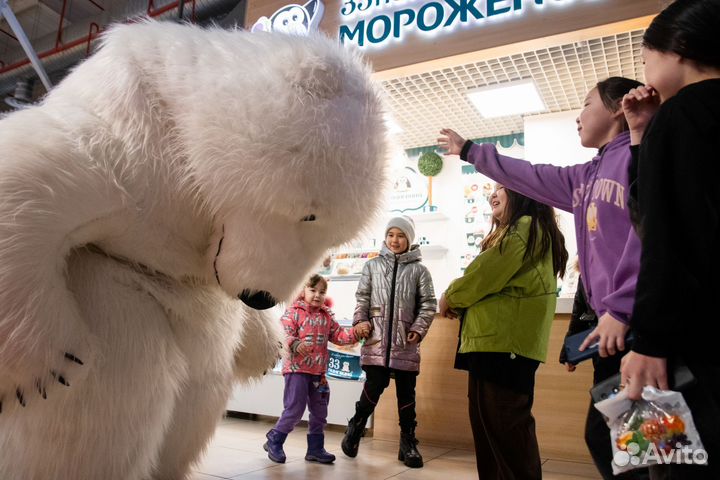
[
  {"x": 316, "y": 449},
  {"x": 274, "y": 446}
]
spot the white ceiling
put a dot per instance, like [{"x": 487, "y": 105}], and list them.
[
  {"x": 421, "y": 103},
  {"x": 424, "y": 103}
]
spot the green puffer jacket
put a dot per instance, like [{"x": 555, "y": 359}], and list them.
[{"x": 509, "y": 301}]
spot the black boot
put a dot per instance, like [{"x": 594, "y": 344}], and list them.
[
  {"x": 408, "y": 453},
  {"x": 355, "y": 430}
]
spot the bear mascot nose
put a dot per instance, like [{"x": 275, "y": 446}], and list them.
[{"x": 258, "y": 300}]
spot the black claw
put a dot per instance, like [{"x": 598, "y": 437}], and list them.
[
  {"x": 0, "y": 407},
  {"x": 19, "y": 396},
  {"x": 40, "y": 389},
  {"x": 60, "y": 379},
  {"x": 73, "y": 358}
]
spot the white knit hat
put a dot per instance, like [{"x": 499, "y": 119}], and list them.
[{"x": 405, "y": 224}]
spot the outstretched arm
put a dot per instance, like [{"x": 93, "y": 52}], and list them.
[{"x": 550, "y": 184}]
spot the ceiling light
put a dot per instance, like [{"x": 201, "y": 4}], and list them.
[{"x": 505, "y": 99}]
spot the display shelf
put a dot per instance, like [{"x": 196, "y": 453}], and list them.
[
  {"x": 344, "y": 278},
  {"x": 433, "y": 250},
  {"x": 351, "y": 251},
  {"x": 428, "y": 217}
]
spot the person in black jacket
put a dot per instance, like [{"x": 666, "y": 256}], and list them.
[
  {"x": 675, "y": 133},
  {"x": 597, "y": 433}
]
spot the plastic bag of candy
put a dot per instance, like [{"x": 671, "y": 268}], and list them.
[{"x": 658, "y": 429}]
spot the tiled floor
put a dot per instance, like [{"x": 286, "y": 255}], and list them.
[{"x": 236, "y": 453}]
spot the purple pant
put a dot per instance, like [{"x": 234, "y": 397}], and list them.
[{"x": 301, "y": 389}]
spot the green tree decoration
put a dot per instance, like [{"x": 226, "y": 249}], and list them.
[{"x": 430, "y": 164}]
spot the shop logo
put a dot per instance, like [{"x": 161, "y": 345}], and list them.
[
  {"x": 430, "y": 17},
  {"x": 653, "y": 455},
  {"x": 409, "y": 190},
  {"x": 293, "y": 19}
]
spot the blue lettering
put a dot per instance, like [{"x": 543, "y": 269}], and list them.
[
  {"x": 348, "y": 7},
  {"x": 386, "y": 28},
  {"x": 429, "y": 17},
  {"x": 462, "y": 9},
  {"x": 361, "y": 8},
  {"x": 359, "y": 30},
  {"x": 410, "y": 18},
  {"x": 491, "y": 10},
  {"x": 439, "y": 13}
]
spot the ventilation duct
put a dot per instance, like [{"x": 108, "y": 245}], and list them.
[{"x": 224, "y": 12}]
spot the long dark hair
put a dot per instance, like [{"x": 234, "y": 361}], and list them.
[
  {"x": 543, "y": 222},
  {"x": 612, "y": 90},
  {"x": 688, "y": 28}
]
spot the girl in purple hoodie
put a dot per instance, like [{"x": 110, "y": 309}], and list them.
[{"x": 596, "y": 193}]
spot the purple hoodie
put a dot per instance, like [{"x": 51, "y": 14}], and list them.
[{"x": 596, "y": 193}]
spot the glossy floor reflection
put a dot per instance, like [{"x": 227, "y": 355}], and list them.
[{"x": 236, "y": 453}]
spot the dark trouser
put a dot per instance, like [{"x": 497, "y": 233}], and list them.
[
  {"x": 503, "y": 428},
  {"x": 301, "y": 390},
  {"x": 377, "y": 380},
  {"x": 597, "y": 433},
  {"x": 703, "y": 399}
]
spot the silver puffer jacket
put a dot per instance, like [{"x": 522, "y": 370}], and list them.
[{"x": 402, "y": 285}]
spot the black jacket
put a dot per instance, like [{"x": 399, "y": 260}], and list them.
[{"x": 675, "y": 203}]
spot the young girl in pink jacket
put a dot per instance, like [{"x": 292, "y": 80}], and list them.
[{"x": 309, "y": 326}]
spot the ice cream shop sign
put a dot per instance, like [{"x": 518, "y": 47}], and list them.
[{"x": 377, "y": 23}]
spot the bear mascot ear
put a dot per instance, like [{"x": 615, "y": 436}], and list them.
[{"x": 316, "y": 9}]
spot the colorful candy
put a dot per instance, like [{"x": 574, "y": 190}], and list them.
[{"x": 644, "y": 428}]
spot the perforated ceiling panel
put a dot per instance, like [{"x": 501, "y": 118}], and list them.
[{"x": 422, "y": 104}]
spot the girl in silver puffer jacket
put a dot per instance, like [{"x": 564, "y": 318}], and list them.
[{"x": 395, "y": 297}]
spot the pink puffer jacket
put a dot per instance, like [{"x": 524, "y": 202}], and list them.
[{"x": 315, "y": 328}]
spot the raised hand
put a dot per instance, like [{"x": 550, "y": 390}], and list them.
[
  {"x": 451, "y": 143},
  {"x": 639, "y": 106}
]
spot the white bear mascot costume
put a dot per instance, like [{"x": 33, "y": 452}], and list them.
[{"x": 172, "y": 171}]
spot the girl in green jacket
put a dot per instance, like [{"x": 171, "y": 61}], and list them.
[{"x": 507, "y": 296}]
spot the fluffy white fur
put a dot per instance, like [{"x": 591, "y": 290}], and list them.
[{"x": 115, "y": 194}]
